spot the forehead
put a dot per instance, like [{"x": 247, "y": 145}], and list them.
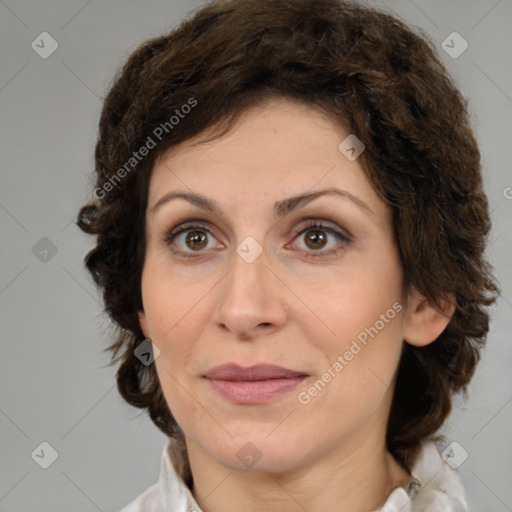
[
  {"x": 270, "y": 124},
  {"x": 273, "y": 151}
]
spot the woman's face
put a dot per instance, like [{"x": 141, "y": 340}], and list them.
[{"x": 252, "y": 281}]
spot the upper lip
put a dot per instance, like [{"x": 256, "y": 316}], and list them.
[{"x": 232, "y": 371}]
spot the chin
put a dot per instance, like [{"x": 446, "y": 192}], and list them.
[{"x": 254, "y": 453}]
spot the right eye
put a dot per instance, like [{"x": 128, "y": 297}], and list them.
[{"x": 189, "y": 235}]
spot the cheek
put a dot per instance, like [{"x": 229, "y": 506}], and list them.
[
  {"x": 361, "y": 314},
  {"x": 350, "y": 302},
  {"x": 186, "y": 411},
  {"x": 169, "y": 301},
  {"x": 173, "y": 325}
]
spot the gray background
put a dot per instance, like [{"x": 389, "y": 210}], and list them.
[{"x": 55, "y": 385}]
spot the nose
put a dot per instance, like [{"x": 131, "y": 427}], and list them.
[{"x": 251, "y": 300}]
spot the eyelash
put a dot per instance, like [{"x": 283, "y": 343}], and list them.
[{"x": 173, "y": 233}]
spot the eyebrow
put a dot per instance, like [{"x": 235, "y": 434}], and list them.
[{"x": 281, "y": 208}]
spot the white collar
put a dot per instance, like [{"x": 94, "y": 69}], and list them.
[{"x": 440, "y": 488}]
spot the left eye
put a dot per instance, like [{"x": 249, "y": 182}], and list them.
[{"x": 316, "y": 239}]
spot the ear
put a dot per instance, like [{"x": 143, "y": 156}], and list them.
[
  {"x": 143, "y": 322},
  {"x": 424, "y": 321}
]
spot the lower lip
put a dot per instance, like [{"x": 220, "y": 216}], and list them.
[{"x": 254, "y": 392}]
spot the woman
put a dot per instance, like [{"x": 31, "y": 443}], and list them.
[{"x": 290, "y": 228}]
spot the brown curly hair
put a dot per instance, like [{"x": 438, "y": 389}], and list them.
[{"x": 372, "y": 74}]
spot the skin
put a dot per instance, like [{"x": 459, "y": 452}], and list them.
[{"x": 283, "y": 308}]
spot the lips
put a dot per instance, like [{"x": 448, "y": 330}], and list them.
[
  {"x": 233, "y": 372},
  {"x": 254, "y": 385}
]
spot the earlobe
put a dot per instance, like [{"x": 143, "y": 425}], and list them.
[
  {"x": 425, "y": 321},
  {"x": 143, "y": 323}
]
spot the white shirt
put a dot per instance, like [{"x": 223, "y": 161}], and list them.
[{"x": 436, "y": 488}]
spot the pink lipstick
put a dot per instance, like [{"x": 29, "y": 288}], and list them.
[{"x": 254, "y": 385}]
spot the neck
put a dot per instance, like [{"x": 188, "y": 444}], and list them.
[{"x": 356, "y": 477}]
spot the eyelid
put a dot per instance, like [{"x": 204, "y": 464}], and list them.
[
  {"x": 194, "y": 223},
  {"x": 188, "y": 225},
  {"x": 337, "y": 232},
  {"x": 324, "y": 224}
]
